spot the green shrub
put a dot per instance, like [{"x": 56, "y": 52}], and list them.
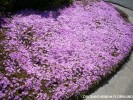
[{"x": 14, "y": 5}]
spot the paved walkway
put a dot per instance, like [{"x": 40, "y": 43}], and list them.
[
  {"x": 125, "y": 3},
  {"x": 122, "y": 82}
]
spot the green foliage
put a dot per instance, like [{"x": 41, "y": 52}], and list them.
[{"x": 14, "y": 5}]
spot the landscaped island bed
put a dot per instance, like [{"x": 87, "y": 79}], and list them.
[{"x": 53, "y": 55}]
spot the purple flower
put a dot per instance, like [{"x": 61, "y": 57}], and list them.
[{"x": 54, "y": 59}]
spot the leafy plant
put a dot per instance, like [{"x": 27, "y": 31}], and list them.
[{"x": 14, "y": 5}]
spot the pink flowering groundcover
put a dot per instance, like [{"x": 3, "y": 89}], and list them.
[{"x": 52, "y": 55}]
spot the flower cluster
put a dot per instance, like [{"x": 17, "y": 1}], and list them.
[{"x": 56, "y": 54}]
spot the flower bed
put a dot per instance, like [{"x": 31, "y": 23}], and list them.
[{"x": 53, "y": 55}]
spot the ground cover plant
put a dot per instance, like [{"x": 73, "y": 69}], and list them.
[{"x": 53, "y": 55}]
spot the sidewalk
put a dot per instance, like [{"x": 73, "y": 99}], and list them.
[{"x": 125, "y": 3}]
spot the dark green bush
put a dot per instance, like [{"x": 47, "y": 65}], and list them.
[{"x": 14, "y": 5}]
